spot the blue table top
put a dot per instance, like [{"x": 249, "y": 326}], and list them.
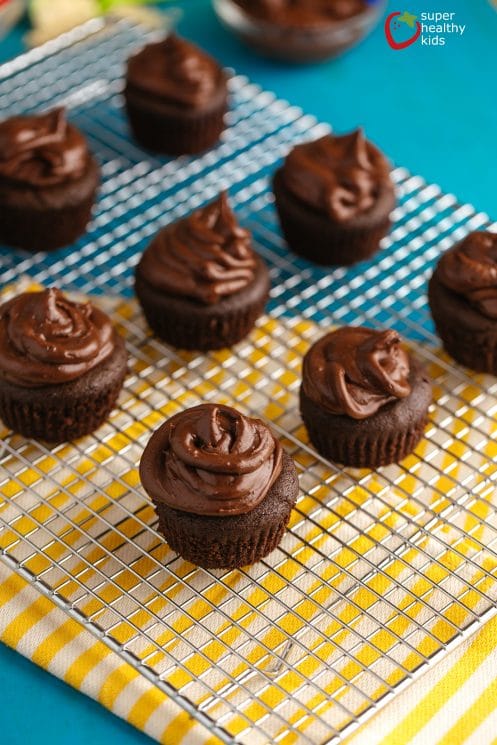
[{"x": 431, "y": 108}]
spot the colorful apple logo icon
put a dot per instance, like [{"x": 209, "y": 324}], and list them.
[{"x": 393, "y": 21}]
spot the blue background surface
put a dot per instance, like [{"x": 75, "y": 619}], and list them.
[{"x": 432, "y": 109}]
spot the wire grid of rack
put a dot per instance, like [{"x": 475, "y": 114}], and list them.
[{"x": 380, "y": 572}]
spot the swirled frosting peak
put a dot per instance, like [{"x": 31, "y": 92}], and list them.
[
  {"x": 211, "y": 460},
  {"x": 45, "y": 339},
  {"x": 42, "y": 150},
  {"x": 205, "y": 256},
  {"x": 340, "y": 176},
  {"x": 176, "y": 72},
  {"x": 355, "y": 371},
  {"x": 470, "y": 269}
]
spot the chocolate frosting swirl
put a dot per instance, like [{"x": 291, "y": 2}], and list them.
[
  {"x": 303, "y": 12},
  {"x": 355, "y": 371},
  {"x": 45, "y": 339},
  {"x": 211, "y": 460},
  {"x": 176, "y": 72},
  {"x": 340, "y": 176},
  {"x": 42, "y": 150},
  {"x": 470, "y": 269},
  {"x": 204, "y": 256}
]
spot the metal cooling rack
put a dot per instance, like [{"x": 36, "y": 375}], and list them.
[{"x": 379, "y": 573}]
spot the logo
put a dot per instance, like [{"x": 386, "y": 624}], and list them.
[
  {"x": 432, "y": 28},
  {"x": 394, "y": 21}
]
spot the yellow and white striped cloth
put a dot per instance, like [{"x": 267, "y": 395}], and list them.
[{"x": 454, "y": 703}]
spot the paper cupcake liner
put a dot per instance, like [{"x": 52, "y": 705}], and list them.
[
  {"x": 318, "y": 239},
  {"x": 57, "y": 420},
  {"x": 174, "y": 134},
  {"x": 361, "y": 449}
]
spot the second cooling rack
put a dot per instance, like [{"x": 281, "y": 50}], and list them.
[{"x": 380, "y": 572}]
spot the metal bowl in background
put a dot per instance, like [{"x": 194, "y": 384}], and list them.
[{"x": 298, "y": 44}]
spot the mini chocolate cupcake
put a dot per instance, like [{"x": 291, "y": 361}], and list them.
[
  {"x": 176, "y": 97},
  {"x": 62, "y": 365},
  {"x": 334, "y": 197},
  {"x": 48, "y": 182},
  {"x": 200, "y": 284},
  {"x": 222, "y": 486},
  {"x": 463, "y": 299},
  {"x": 363, "y": 399}
]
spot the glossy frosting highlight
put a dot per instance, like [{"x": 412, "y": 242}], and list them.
[
  {"x": 205, "y": 256},
  {"x": 470, "y": 269},
  {"x": 176, "y": 72},
  {"x": 45, "y": 339},
  {"x": 43, "y": 150},
  {"x": 340, "y": 176},
  {"x": 211, "y": 460},
  {"x": 356, "y": 371}
]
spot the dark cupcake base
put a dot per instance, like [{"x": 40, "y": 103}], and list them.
[
  {"x": 172, "y": 130},
  {"x": 46, "y": 221},
  {"x": 386, "y": 437},
  {"x": 187, "y": 324},
  {"x": 317, "y": 238},
  {"x": 467, "y": 335},
  {"x": 236, "y": 540},
  {"x": 61, "y": 413}
]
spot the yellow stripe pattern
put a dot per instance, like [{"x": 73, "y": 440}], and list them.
[{"x": 79, "y": 506}]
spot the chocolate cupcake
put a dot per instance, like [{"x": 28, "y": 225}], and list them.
[
  {"x": 334, "y": 197},
  {"x": 463, "y": 299},
  {"x": 363, "y": 399},
  {"x": 176, "y": 97},
  {"x": 200, "y": 284},
  {"x": 48, "y": 182},
  {"x": 62, "y": 365},
  {"x": 222, "y": 486}
]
